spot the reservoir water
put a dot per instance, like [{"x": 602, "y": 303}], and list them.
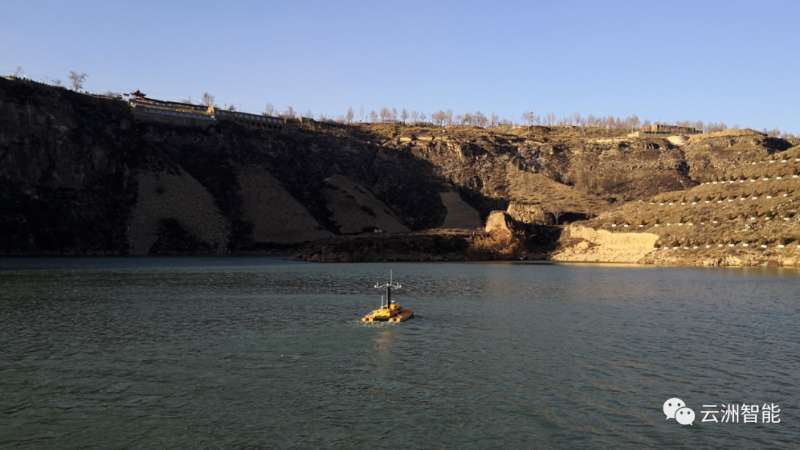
[{"x": 266, "y": 353}]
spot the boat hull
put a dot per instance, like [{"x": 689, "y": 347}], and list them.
[{"x": 394, "y": 314}]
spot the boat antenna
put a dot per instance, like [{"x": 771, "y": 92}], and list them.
[{"x": 388, "y": 286}]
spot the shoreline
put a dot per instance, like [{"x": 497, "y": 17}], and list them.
[{"x": 290, "y": 259}]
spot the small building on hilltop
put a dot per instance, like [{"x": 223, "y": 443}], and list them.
[
  {"x": 168, "y": 112},
  {"x": 250, "y": 120},
  {"x": 145, "y": 108},
  {"x": 660, "y": 128}
]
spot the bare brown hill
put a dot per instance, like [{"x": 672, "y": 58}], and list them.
[{"x": 82, "y": 174}]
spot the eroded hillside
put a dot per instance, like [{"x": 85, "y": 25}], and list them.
[
  {"x": 85, "y": 175},
  {"x": 82, "y": 175}
]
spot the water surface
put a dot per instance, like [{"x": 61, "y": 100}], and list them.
[{"x": 259, "y": 352}]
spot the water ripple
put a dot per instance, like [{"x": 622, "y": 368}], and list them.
[{"x": 254, "y": 352}]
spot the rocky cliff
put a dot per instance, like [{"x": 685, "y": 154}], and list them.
[{"x": 80, "y": 174}]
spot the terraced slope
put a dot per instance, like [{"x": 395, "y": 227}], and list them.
[{"x": 746, "y": 213}]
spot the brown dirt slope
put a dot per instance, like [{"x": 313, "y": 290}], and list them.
[
  {"x": 277, "y": 217},
  {"x": 165, "y": 198},
  {"x": 748, "y": 212},
  {"x": 356, "y": 210},
  {"x": 459, "y": 213}
]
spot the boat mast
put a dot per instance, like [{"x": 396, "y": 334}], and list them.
[
  {"x": 389, "y": 290},
  {"x": 388, "y": 286}
]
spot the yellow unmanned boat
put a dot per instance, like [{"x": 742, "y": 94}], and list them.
[{"x": 389, "y": 311}]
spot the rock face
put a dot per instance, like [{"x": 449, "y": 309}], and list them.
[
  {"x": 591, "y": 245},
  {"x": 503, "y": 238},
  {"x": 500, "y": 224},
  {"x": 530, "y": 213},
  {"x": 81, "y": 174},
  {"x": 588, "y": 172}
]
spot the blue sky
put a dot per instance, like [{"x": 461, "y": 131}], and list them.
[{"x": 732, "y": 61}]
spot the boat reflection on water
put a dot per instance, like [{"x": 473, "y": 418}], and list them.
[{"x": 384, "y": 341}]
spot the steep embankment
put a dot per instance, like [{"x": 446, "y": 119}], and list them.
[
  {"x": 81, "y": 174},
  {"x": 585, "y": 170},
  {"x": 66, "y": 184}
]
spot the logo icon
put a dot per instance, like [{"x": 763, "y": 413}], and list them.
[
  {"x": 675, "y": 408},
  {"x": 684, "y": 416}
]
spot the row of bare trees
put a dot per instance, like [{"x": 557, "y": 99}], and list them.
[
  {"x": 530, "y": 118},
  {"x": 631, "y": 122},
  {"x": 447, "y": 117},
  {"x": 477, "y": 118}
]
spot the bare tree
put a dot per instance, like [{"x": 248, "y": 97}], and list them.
[
  {"x": 269, "y": 110},
  {"x": 528, "y": 117},
  {"x": 493, "y": 120},
  {"x": 290, "y": 113},
  {"x": 712, "y": 126},
  {"x": 18, "y": 72},
  {"x": 386, "y": 114},
  {"x": 632, "y": 122},
  {"x": 373, "y": 116},
  {"x": 348, "y": 116},
  {"x": 404, "y": 115},
  {"x": 207, "y": 99},
  {"x": 77, "y": 80},
  {"x": 480, "y": 119},
  {"x": 439, "y": 117}
]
